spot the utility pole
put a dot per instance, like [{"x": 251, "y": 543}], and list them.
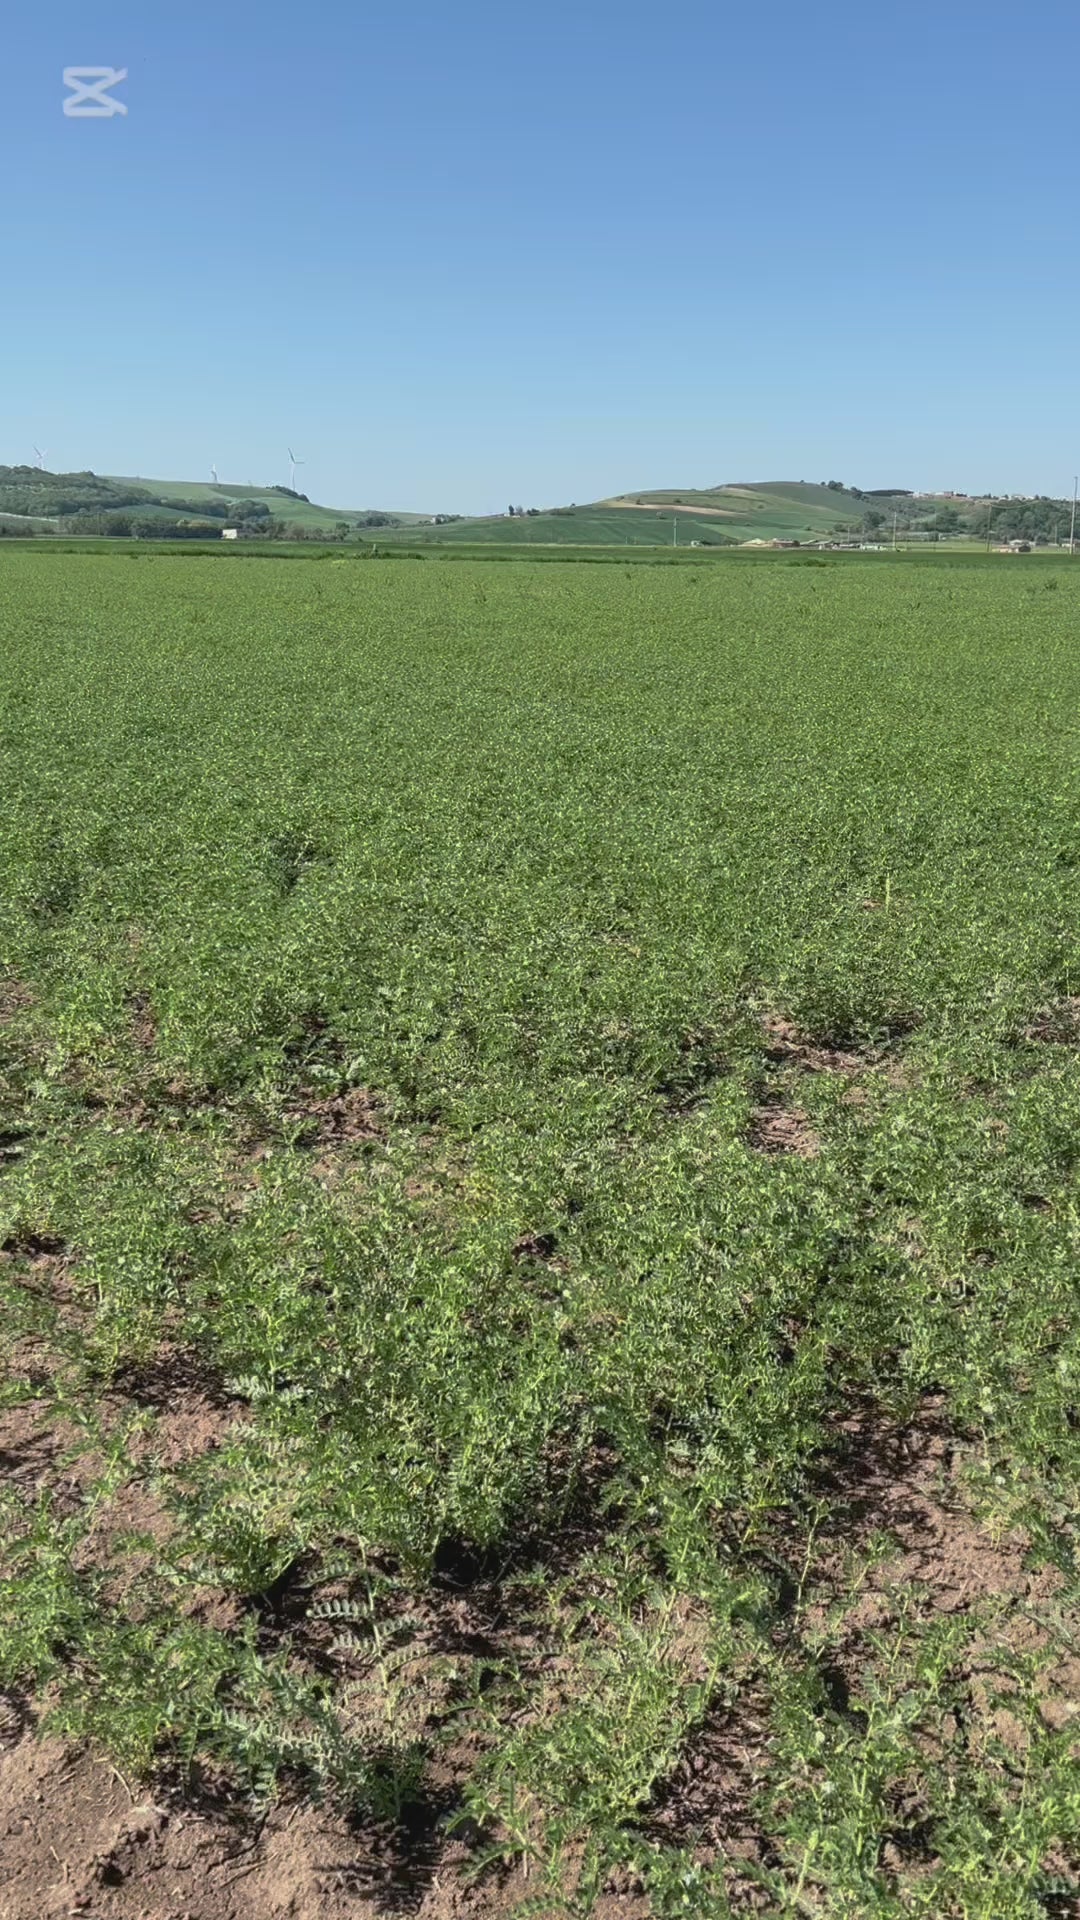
[
  {"x": 674, "y": 529},
  {"x": 895, "y": 518},
  {"x": 1072, "y": 523},
  {"x": 989, "y": 521}
]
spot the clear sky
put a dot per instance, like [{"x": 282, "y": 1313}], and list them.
[{"x": 459, "y": 255}]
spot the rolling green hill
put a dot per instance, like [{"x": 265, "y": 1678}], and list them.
[
  {"x": 745, "y": 513},
  {"x": 33, "y": 499},
  {"x": 601, "y": 525},
  {"x": 759, "y": 510},
  {"x": 714, "y": 516},
  {"x": 281, "y": 504},
  {"x": 749, "y": 513}
]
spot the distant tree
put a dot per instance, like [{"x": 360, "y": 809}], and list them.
[
  {"x": 205, "y": 509},
  {"x": 191, "y": 530}
]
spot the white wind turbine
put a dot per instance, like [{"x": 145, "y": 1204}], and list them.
[
  {"x": 293, "y": 464},
  {"x": 41, "y": 452},
  {"x": 213, "y": 473}
]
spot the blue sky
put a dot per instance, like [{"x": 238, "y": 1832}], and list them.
[{"x": 463, "y": 255}]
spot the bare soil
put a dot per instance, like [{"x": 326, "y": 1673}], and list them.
[
  {"x": 778, "y": 1123},
  {"x": 776, "y": 1128},
  {"x": 15, "y": 998},
  {"x": 907, "y": 1481},
  {"x": 338, "y": 1118},
  {"x": 75, "y": 1839},
  {"x": 1058, "y": 1023}
]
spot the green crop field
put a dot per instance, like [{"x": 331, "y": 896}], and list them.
[{"x": 540, "y": 1218}]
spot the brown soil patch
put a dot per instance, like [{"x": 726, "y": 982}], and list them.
[
  {"x": 143, "y": 1024},
  {"x": 1059, "y": 1023},
  {"x": 775, "y": 1128},
  {"x": 40, "y": 1453},
  {"x": 786, "y": 1046},
  {"x": 189, "y": 1428},
  {"x": 177, "y": 1384},
  {"x": 15, "y": 998},
  {"x": 707, "y": 1803},
  {"x": 905, "y": 1480},
  {"x": 333, "y": 1127},
  {"x": 778, "y": 1123},
  {"x": 74, "y": 1840},
  {"x": 43, "y": 1251},
  {"x": 42, "y": 1267},
  {"x": 337, "y": 1120},
  {"x": 664, "y": 507}
]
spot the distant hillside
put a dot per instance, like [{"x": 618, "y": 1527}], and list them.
[
  {"x": 749, "y": 512},
  {"x": 601, "y": 525},
  {"x": 34, "y": 500},
  {"x": 281, "y": 504},
  {"x": 710, "y": 517},
  {"x": 795, "y": 510},
  {"x": 758, "y": 510}
]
